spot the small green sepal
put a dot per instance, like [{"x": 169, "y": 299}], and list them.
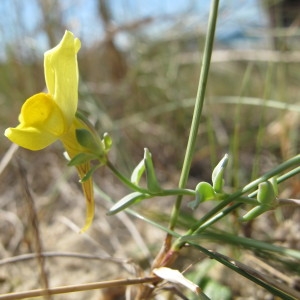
[
  {"x": 86, "y": 139},
  {"x": 127, "y": 201}
]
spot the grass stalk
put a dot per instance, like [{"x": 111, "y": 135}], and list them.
[{"x": 197, "y": 108}]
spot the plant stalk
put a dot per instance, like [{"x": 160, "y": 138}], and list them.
[{"x": 197, "y": 108}]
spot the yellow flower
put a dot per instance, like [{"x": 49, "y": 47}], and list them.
[{"x": 45, "y": 118}]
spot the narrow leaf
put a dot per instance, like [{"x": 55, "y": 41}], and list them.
[
  {"x": 127, "y": 201},
  {"x": 80, "y": 159},
  {"x": 89, "y": 173}
]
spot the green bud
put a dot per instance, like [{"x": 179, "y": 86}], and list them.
[
  {"x": 152, "y": 182},
  {"x": 204, "y": 192},
  {"x": 266, "y": 194},
  {"x": 218, "y": 174},
  {"x": 138, "y": 172},
  {"x": 107, "y": 141}
]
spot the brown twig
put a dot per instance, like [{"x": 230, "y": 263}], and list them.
[{"x": 77, "y": 288}]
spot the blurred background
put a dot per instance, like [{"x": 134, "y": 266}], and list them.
[{"x": 139, "y": 69}]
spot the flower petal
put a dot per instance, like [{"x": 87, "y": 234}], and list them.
[
  {"x": 41, "y": 123},
  {"x": 41, "y": 111},
  {"x": 61, "y": 74},
  {"x": 30, "y": 137}
]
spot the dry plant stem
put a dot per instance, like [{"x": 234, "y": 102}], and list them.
[
  {"x": 77, "y": 288},
  {"x": 7, "y": 157},
  {"x": 34, "y": 224}
]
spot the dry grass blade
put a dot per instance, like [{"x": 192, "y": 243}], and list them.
[{"x": 7, "y": 157}]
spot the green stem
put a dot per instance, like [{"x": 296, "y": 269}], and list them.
[
  {"x": 123, "y": 179},
  {"x": 129, "y": 184},
  {"x": 197, "y": 109}
]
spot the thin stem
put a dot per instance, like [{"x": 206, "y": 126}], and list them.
[
  {"x": 123, "y": 179},
  {"x": 197, "y": 109},
  {"x": 129, "y": 184},
  {"x": 174, "y": 192}
]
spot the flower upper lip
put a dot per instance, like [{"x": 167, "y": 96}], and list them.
[{"x": 61, "y": 75}]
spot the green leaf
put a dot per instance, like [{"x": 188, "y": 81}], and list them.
[
  {"x": 152, "y": 182},
  {"x": 127, "y": 201},
  {"x": 80, "y": 159},
  {"x": 204, "y": 192},
  {"x": 138, "y": 172},
  {"x": 89, "y": 173},
  {"x": 218, "y": 174}
]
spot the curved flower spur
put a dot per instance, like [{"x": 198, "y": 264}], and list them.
[{"x": 47, "y": 117}]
